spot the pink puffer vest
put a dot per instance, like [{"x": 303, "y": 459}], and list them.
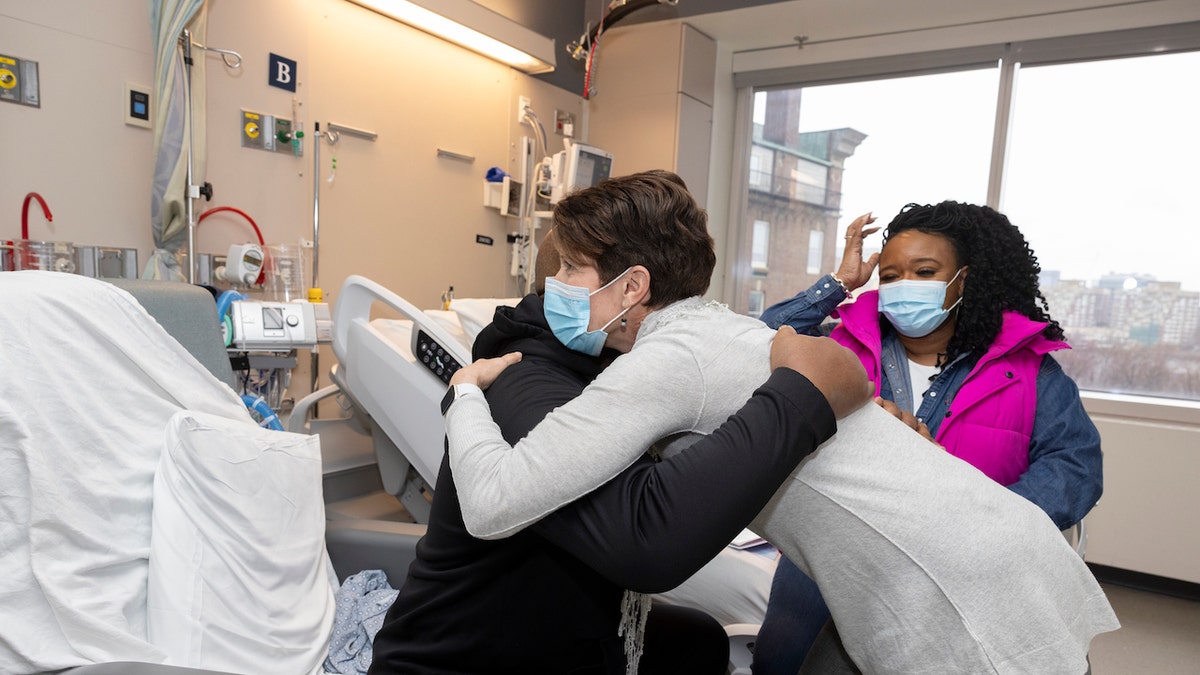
[{"x": 990, "y": 419}]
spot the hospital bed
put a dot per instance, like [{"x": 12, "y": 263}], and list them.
[{"x": 395, "y": 372}]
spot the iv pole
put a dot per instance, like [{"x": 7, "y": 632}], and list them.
[
  {"x": 314, "y": 293},
  {"x": 192, "y": 191}
]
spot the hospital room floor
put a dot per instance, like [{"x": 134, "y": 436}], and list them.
[{"x": 1159, "y": 634}]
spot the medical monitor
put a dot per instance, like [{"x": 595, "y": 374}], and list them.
[{"x": 579, "y": 166}]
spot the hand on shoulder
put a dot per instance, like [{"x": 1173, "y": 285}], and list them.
[{"x": 833, "y": 369}]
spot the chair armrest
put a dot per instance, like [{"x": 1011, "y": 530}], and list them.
[{"x": 359, "y": 544}]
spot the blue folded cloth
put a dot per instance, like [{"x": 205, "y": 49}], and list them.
[{"x": 362, "y": 601}]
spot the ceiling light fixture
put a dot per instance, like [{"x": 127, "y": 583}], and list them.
[{"x": 471, "y": 25}]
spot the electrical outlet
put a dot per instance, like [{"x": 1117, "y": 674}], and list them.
[{"x": 522, "y": 104}]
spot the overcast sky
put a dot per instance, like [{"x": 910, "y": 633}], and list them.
[{"x": 1102, "y": 167}]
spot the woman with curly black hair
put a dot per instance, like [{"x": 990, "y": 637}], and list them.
[{"x": 959, "y": 335}]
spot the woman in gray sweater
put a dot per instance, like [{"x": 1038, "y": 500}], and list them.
[{"x": 927, "y": 565}]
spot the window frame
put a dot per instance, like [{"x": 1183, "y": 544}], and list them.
[{"x": 1009, "y": 57}]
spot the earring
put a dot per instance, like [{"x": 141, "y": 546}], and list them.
[{"x": 624, "y": 323}]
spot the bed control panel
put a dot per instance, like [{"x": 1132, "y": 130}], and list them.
[{"x": 435, "y": 357}]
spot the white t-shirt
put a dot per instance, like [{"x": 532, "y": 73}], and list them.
[{"x": 919, "y": 376}]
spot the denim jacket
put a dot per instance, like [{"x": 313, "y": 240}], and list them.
[{"x": 1065, "y": 475}]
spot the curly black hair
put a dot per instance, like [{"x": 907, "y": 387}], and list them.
[{"x": 1003, "y": 270}]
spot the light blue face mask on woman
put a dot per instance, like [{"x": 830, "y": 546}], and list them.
[
  {"x": 914, "y": 306},
  {"x": 568, "y": 310}
]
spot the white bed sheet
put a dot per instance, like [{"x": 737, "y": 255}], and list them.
[
  {"x": 76, "y": 473},
  {"x": 92, "y": 384}
]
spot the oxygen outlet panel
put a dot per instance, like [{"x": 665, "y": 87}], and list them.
[
  {"x": 270, "y": 133},
  {"x": 19, "y": 81}
]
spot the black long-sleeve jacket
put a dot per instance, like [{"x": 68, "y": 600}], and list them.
[{"x": 548, "y": 599}]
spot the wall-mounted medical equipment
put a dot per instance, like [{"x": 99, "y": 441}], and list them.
[
  {"x": 283, "y": 276},
  {"x": 578, "y": 166},
  {"x": 52, "y": 256},
  {"x": 19, "y": 81},
  {"x": 271, "y": 133},
  {"x": 106, "y": 262},
  {"x": 243, "y": 264},
  {"x": 272, "y": 325}
]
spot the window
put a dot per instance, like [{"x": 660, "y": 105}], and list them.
[
  {"x": 809, "y": 181},
  {"x": 756, "y": 303},
  {"x": 760, "y": 168},
  {"x": 1096, "y": 164},
  {"x": 1101, "y": 168},
  {"x": 846, "y": 155},
  {"x": 816, "y": 245},
  {"x": 759, "y": 246}
]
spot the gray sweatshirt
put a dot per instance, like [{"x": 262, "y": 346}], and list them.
[{"x": 926, "y": 564}]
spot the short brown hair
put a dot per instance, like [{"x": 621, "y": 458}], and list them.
[{"x": 647, "y": 219}]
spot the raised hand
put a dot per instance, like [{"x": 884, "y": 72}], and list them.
[{"x": 854, "y": 272}]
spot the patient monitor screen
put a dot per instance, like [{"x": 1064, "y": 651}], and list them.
[{"x": 591, "y": 169}]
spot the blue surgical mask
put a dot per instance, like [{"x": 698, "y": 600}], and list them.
[
  {"x": 914, "y": 307},
  {"x": 568, "y": 310}
]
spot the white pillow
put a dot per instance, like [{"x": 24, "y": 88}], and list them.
[
  {"x": 449, "y": 322},
  {"x": 238, "y": 576},
  {"x": 475, "y": 313}
]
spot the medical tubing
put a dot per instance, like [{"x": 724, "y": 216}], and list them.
[
  {"x": 25, "y": 213},
  {"x": 241, "y": 213},
  {"x": 224, "y": 301},
  {"x": 593, "y": 47},
  {"x": 616, "y": 14},
  {"x": 269, "y": 419}
]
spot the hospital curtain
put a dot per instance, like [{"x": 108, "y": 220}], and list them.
[{"x": 176, "y": 100}]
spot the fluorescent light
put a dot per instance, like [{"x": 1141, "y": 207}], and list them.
[{"x": 475, "y": 27}]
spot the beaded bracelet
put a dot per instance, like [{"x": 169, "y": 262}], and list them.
[{"x": 843, "y": 285}]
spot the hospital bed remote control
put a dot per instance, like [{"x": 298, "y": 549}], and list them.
[{"x": 435, "y": 357}]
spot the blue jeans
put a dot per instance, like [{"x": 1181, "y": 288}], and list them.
[{"x": 796, "y": 612}]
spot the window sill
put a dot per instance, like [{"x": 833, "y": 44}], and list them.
[{"x": 1148, "y": 408}]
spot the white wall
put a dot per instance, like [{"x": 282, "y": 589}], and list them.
[
  {"x": 396, "y": 212},
  {"x": 76, "y": 151}
]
